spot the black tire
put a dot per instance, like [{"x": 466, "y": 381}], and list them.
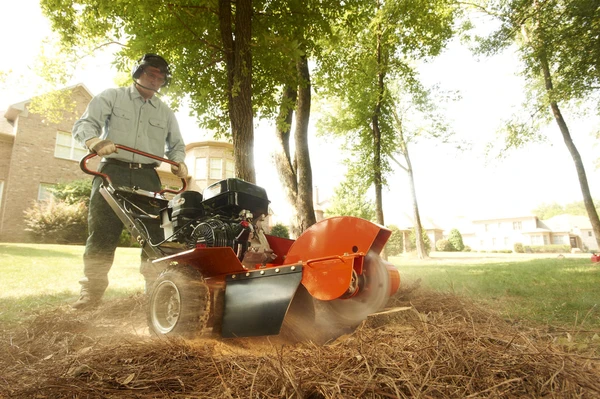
[
  {"x": 179, "y": 304},
  {"x": 372, "y": 297}
]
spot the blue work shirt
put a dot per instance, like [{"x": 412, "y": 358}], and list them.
[{"x": 124, "y": 117}]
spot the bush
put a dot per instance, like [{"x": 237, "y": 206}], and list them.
[
  {"x": 412, "y": 241},
  {"x": 455, "y": 239},
  {"x": 56, "y": 222},
  {"x": 553, "y": 249},
  {"x": 444, "y": 245},
  {"x": 467, "y": 248},
  {"x": 395, "y": 244},
  {"x": 518, "y": 248},
  {"x": 279, "y": 230}
]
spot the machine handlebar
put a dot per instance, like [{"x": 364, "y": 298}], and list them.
[{"x": 106, "y": 179}]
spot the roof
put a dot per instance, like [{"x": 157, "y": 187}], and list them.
[
  {"x": 16, "y": 109},
  {"x": 567, "y": 223},
  {"x": 500, "y": 218},
  {"x": 406, "y": 223}
]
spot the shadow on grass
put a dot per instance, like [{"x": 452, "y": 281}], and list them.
[{"x": 36, "y": 252}]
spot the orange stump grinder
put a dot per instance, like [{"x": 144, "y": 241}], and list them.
[{"x": 220, "y": 271}]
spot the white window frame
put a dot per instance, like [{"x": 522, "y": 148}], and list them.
[
  {"x": 215, "y": 172},
  {"x": 76, "y": 151},
  {"x": 43, "y": 192},
  {"x": 229, "y": 168}
]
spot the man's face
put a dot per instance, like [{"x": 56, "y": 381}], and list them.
[{"x": 152, "y": 78}]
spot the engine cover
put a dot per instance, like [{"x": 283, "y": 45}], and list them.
[{"x": 231, "y": 196}]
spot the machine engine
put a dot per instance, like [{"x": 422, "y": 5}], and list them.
[{"x": 228, "y": 213}]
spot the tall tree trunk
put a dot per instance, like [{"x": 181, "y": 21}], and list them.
[
  {"x": 564, "y": 130},
  {"x": 236, "y": 39},
  {"x": 377, "y": 177},
  {"x": 420, "y": 244},
  {"x": 304, "y": 203},
  {"x": 296, "y": 172}
]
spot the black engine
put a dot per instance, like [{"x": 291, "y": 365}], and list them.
[{"x": 222, "y": 216}]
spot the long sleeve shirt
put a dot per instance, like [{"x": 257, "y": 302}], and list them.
[{"x": 124, "y": 117}]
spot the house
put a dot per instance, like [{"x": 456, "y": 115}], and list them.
[
  {"x": 504, "y": 233},
  {"x": 36, "y": 154}
]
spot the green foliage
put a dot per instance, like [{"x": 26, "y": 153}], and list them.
[
  {"x": 547, "y": 211},
  {"x": 57, "y": 222},
  {"x": 412, "y": 241},
  {"x": 444, "y": 245},
  {"x": 349, "y": 199},
  {"x": 455, "y": 239},
  {"x": 73, "y": 192},
  {"x": 280, "y": 230},
  {"x": 395, "y": 244},
  {"x": 553, "y": 249},
  {"x": 518, "y": 248}
]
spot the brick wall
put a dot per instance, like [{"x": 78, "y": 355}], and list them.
[{"x": 32, "y": 162}]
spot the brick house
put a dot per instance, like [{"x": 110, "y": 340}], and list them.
[{"x": 35, "y": 155}]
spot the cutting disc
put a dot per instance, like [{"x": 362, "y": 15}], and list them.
[{"x": 374, "y": 289}]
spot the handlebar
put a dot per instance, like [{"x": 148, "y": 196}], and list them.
[{"x": 106, "y": 179}]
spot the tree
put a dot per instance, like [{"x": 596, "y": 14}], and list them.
[
  {"x": 365, "y": 55},
  {"x": 395, "y": 244},
  {"x": 349, "y": 200},
  {"x": 546, "y": 211},
  {"x": 455, "y": 239},
  {"x": 558, "y": 44},
  {"x": 279, "y": 230}
]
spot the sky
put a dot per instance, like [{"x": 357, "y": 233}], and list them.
[{"x": 449, "y": 185}]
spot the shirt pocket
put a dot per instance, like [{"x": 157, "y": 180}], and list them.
[
  {"x": 120, "y": 119},
  {"x": 157, "y": 129}
]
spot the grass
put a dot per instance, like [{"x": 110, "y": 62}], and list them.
[
  {"x": 37, "y": 277},
  {"x": 559, "y": 292}
]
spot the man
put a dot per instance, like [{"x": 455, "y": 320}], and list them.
[{"x": 134, "y": 117}]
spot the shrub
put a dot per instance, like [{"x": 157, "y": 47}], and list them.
[
  {"x": 444, "y": 245},
  {"x": 395, "y": 244},
  {"x": 279, "y": 230},
  {"x": 412, "y": 241},
  {"x": 56, "y": 222},
  {"x": 518, "y": 248},
  {"x": 455, "y": 239},
  {"x": 467, "y": 248},
  {"x": 537, "y": 249}
]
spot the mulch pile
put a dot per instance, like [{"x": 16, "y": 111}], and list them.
[{"x": 431, "y": 346}]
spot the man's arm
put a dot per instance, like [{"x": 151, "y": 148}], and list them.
[
  {"x": 90, "y": 125},
  {"x": 174, "y": 143}
]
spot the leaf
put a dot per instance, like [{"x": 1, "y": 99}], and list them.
[{"x": 127, "y": 380}]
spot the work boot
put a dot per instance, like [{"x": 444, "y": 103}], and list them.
[{"x": 86, "y": 301}]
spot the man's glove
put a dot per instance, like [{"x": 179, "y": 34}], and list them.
[
  {"x": 101, "y": 147},
  {"x": 180, "y": 170}
]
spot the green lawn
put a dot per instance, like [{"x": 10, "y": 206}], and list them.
[
  {"x": 37, "y": 277},
  {"x": 561, "y": 292},
  {"x": 558, "y": 292}
]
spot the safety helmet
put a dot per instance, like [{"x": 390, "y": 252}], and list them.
[{"x": 155, "y": 61}]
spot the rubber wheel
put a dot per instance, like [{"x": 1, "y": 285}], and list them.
[
  {"x": 179, "y": 304},
  {"x": 372, "y": 297}
]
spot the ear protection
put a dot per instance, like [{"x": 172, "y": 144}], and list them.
[{"x": 154, "y": 60}]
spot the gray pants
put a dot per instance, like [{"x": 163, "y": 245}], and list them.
[{"x": 105, "y": 227}]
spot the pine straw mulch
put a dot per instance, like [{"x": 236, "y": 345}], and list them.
[{"x": 432, "y": 346}]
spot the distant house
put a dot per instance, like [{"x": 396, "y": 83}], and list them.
[
  {"x": 36, "y": 155},
  {"x": 503, "y": 233}
]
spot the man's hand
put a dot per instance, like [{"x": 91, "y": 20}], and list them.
[
  {"x": 180, "y": 170},
  {"x": 101, "y": 147}
]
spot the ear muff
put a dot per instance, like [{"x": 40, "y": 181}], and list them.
[{"x": 154, "y": 60}]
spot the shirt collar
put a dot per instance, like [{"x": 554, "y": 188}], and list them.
[{"x": 134, "y": 93}]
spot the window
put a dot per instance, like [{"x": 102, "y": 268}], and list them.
[
  {"x": 560, "y": 240},
  {"x": 494, "y": 242},
  {"x": 517, "y": 226},
  {"x": 44, "y": 192},
  {"x": 506, "y": 242},
  {"x": 537, "y": 239},
  {"x": 216, "y": 168},
  {"x": 229, "y": 169},
  {"x": 486, "y": 227},
  {"x": 67, "y": 148},
  {"x": 200, "y": 168},
  {"x": 589, "y": 232}
]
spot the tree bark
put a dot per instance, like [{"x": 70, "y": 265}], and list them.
[
  {"x": 236, "y": 39},
  {"x": 564, "y": 130},
  {"x": 296, "y": 172},
  {"x": 377, "y": 177}
]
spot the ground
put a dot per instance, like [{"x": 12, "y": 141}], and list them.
[{"x": 426, "y": 344}]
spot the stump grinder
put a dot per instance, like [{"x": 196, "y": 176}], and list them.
[{"x": 221, "y": 272}]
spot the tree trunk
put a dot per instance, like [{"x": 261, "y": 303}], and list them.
[
  {"x": 296, "y": 173},
  {"x": 377, "y": 177},
  {"x": 581, "y": 175},
  {"x": 421, "y": 251},
  {"x": 238, "y": 61}
]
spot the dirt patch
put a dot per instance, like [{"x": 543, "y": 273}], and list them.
[{"x": 428, "y": 345}]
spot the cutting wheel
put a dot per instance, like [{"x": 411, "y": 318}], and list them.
[{"x": 373, "y": 294}]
